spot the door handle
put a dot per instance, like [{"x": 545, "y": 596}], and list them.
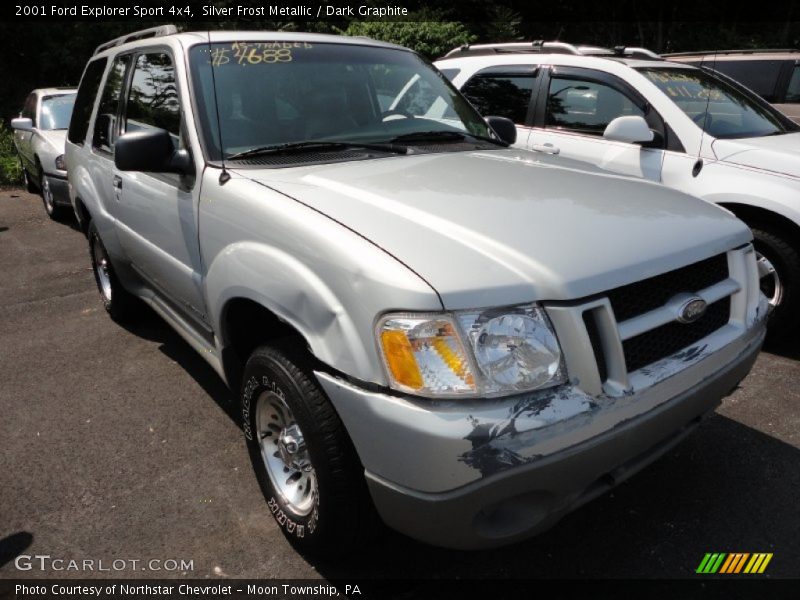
[
  {"x": 546, "y": 148},
  {"x": 118, "y": 182}
]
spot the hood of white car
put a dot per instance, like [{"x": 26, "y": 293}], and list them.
[
  {"x": 777, "y": 153},
  {"x": 498, "y": 227}
]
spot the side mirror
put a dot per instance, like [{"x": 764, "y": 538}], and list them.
[
  {"x": 504, "y": 128},
  {"x": 633, "y": 129},
  {"x": 22, "y": 124},
  {"x": 151, "y": 150}
]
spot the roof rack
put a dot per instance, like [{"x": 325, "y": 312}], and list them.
[
  {"x": 635, "y": 52},
  {"x": 542, "y": 47},
  {"x": 151, "y": 32},
  {"x": 726, "y": 52}
]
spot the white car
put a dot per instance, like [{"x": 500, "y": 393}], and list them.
[
  {"x": 39, "y": 136},
  {"x": 631, "y": 113}
]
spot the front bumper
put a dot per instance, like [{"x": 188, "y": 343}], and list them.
[{"x": 482, "y": 474}]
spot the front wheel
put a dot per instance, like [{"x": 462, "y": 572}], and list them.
[
  {"x": 304, "y": 461},
  {"x": 779, "y": 279}
]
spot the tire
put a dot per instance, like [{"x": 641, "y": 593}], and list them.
[
  {"x": 119, "y": 303},
  {"x": 775, "y": 251},
  {"x": 55, "y": 212},
  {"x": 323, "y": 506}
]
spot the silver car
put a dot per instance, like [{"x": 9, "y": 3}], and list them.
[
  {"x": 422, "y": 325},
  {"x": 39, "y": 135}
]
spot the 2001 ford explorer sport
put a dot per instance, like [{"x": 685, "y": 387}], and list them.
[{"x": 424, "y": 325}]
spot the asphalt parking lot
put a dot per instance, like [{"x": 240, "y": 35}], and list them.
[{"x": 118, "y": 444}]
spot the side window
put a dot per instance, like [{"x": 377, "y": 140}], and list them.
[
  {"x": 793, "y": 92},
  {"x": 84, "y": 102},
  {"x": 105, "y": 124},
  {"x": 153, "y": 96},
  {"x": 29, "y": 109},
  {"x": 585, "y": 106},
  {"x": 500, "y": 94}
]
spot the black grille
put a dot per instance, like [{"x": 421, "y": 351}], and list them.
[
  {"x": 643, "y": 296},
  {"x": 669, "y": 339},
  {"x": 593, "y": 330}
]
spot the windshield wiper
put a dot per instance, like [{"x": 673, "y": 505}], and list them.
[
  {"x": 313, "y": 146},
  {"x": 444, "y": 136}
]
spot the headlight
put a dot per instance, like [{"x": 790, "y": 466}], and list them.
[
  {"x": 61, "y": 164},
  {"x": 471, "y": 353}
]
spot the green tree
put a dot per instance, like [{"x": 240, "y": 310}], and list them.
[{"x": 429, "y": 35}]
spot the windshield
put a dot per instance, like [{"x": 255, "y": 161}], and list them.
[
  {"x": 731, "y": 112},
  {"x": 56, "y": 111},
  {"x": 272, "y": 93}
]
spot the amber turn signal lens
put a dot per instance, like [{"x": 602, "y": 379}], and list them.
[{"x": 400, "y": 359}]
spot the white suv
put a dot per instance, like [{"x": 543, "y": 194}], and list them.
[{"x": 629, "y": 112}]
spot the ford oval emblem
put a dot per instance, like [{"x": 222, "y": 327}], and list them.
[{"x": 692, "y": 309}]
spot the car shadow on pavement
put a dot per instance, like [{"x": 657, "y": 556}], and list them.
[
  {"x": 727, "y": 488},
  {"x": 13, "y": 545},
  {"x": 151, "y": 326}
]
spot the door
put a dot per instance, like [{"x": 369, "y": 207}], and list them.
[
  {"x": 505, "y": 91},
  {"x": 24, "y": 139},
  {"x": 156, "y": 213},
  {"x": 572, "y": 111}
]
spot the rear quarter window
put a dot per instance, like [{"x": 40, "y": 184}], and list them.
[{"x": 84, "y": 101}]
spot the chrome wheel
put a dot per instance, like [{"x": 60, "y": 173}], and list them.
[
  {"x": 101, "y": 269},
  {"x": 47, "y": 196},
  {"x": 769, "y": 281},
  {"x": 285, "y": 455}
]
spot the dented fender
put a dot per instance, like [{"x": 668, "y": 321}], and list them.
[
  {"x": 325, "y": 280},
  {"x": 295, "y": 294}
]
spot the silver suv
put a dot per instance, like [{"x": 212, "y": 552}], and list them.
[{"x": 424, "y": 326}]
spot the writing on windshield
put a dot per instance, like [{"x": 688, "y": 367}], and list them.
[{"x": 255, "y": 53}]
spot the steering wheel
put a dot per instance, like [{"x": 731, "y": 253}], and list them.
[
  {"x": 392, "y": 112},
  {"x": 698, "y": 119}
]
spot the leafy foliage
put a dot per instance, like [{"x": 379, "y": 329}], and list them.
[
  {"x": 429, "y": 35},
  {"x": 10, "y": 169}
]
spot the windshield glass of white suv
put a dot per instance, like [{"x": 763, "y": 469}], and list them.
[
  {"x": 272, "y": 93},
  {"x": 731, "y": 113},
  {"x": 56, "y": 111}
]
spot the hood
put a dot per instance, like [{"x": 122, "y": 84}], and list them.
[
  {"x": 777, "y": 153},
  {"x": 504, "y": 227},
  {"x": 56, "y": 138}
]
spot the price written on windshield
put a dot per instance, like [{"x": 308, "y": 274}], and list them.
[{"x": 255, "y": 53}]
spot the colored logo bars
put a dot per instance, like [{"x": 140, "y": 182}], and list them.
[{"x": 737, "y": 562}]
